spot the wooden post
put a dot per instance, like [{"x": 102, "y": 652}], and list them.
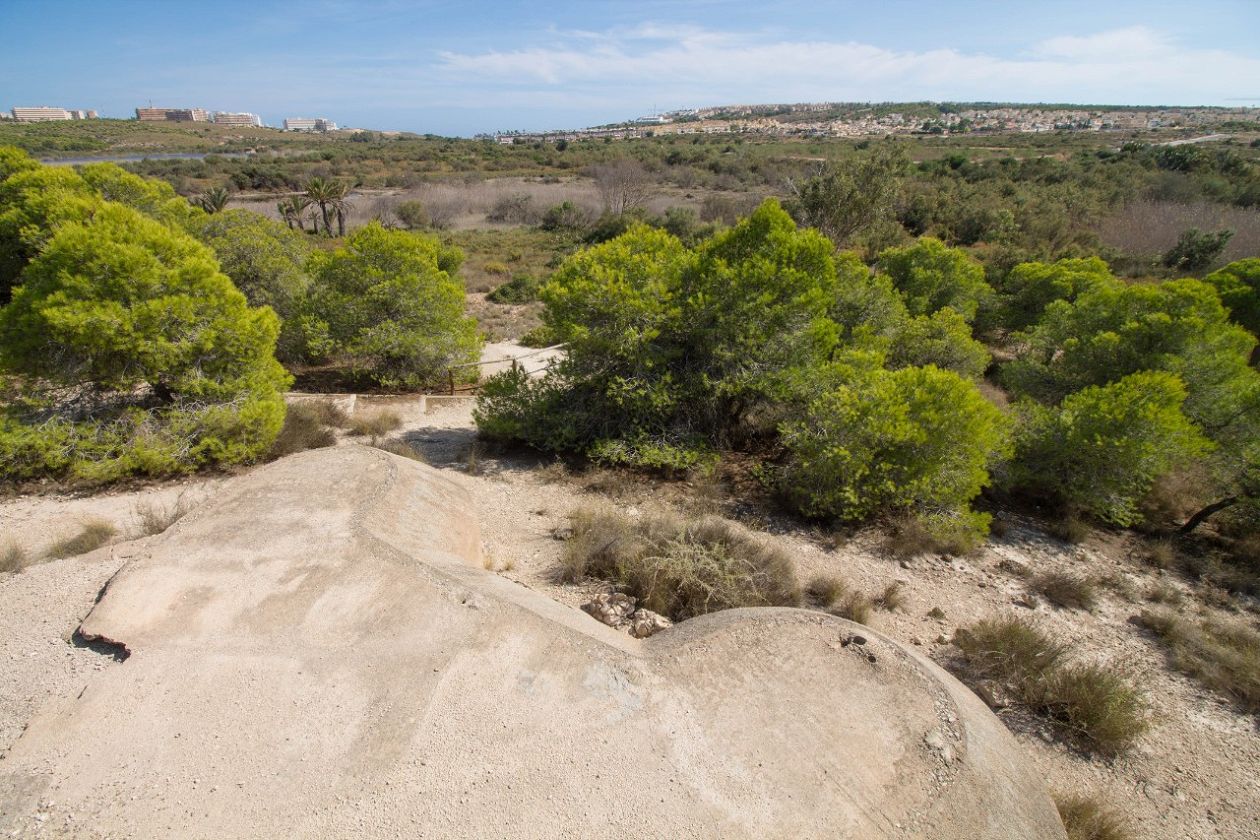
[{"x": 450, "y": 377}]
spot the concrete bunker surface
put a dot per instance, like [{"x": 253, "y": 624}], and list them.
[{"x": 318, "y": 653}]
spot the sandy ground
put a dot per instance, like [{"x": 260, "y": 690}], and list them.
[{"x": 1192, "y": 776}]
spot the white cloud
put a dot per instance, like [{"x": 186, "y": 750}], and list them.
[{"x": 687, "y": 65}]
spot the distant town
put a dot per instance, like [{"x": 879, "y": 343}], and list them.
[
  {"x": 46, "y": 113},
  {"x": 843, "y": 119},
  {"x": 819, "y": 119}
]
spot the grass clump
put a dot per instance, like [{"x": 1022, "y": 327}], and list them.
[
  {"x": 1093, "y": 703},
  {"x": 1222, "y": 655},
  {"x": 1070, "y": 528},
  {"x": 680, "y": 568},
  {"x": 1067, "y": 590},
  {"x": 1085, "y": 818},
  {"x": 304, "y": 428},
  {"x": 892, "y": 598},
  {"x": 155, "y": 517},
  {"x": 94, "y": 534},
  {"x": 833, "y": 595},
  {"x": 376, "y": 424},
  {"x": 399, "y": 447},
  {"x": 13, "y": 558},
  {"x": 911, "y": 536}
]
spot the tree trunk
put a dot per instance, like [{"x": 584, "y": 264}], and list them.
[
  {"x": 341, "y": 222},
  {"x": 1202, "y": 516}
]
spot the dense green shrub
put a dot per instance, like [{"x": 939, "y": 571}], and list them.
[
  {"x": 413, "y": 214},
  {"x": 1030, "y": 287},
  {"x": 385, "y": 303},
  {"x": 135, "y": 355},
  {"x": 942, "y": 339},
  {"x": 523, "y": 288},
  {"x": 1196, "y": 250},
  {"x": 1103, "y": 449},
  {"x": 916, "y": 439},
  {"x": 931, "y": 276},
  {"x": 265, "y": 259},
  {"x": 1238, "y": 284}
]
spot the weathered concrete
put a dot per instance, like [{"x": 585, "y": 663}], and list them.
[{"x": 318, "y": 653}]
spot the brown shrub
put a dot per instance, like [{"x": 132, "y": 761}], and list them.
[
  {"x": 1069, "y": 528},
  {"x": 1093, "y": 703},
  {"x": 1086, "y": 818},
  {"x": 399, "y": 447},
  {"x": 155, "y": 517},
  {"x": 375, "y": 424},
  {"x": 892, "y": 598},
  {"x": 94, "y": 534},
  {"x": 13, "y": 558},
  {"x": 1064, "y": 589},
  {"x": 680, "y": 568},
  {"x": 1223, "y": 655},
  {"x": 303, "y": 429}
]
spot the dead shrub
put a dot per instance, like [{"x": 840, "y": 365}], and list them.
[
  {"x": 1064, "y": 589},
  {"x": 374, "y": 425},
  {"x": 1086, "y": 818},
  {"x": 680, "y": 568},
  {"x": 824, "y": 590},
  {"x": 1095, "y": 704},
  {"x": 94, "y": 534},
  {"x": 1159, "y": 554},
  {"x": 303, "y": 429},
  {"x": 1069, "y": 528},
  {"x": 327, "y": 413},
  {"x": 395, "y": 446},
  {"x": 155, "y": 517},
  {"x": 1165, "y": 593},
  {"x": 892, "y": 598},
  {"x": 13, "y": 557},
  {"x": 855, "y": 607},
  {"x": 1223, "y": 655}
]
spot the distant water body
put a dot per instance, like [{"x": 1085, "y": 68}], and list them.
[{"x": 137, "y": 158}]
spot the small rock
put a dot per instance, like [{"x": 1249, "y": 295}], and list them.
[
  {"x": 644, "y": 623},
  {"x": 994, "y": 694}
]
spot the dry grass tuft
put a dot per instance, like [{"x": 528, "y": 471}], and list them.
[
  {"x": 1093, "y": 703},
  {"x": 855, "y": 607},
  {"x": 1069, "y": 528},
  {"x": 1165, "y": 593},
  {"x": 303, "y": 429},
  {"x": 824, "y": 590},
  {"x": 1085, "y": 818},
  {"x": 94, "y": 534},
  {"x": 1159, "y": 554},
  {"x": 13, "y": 558},
  {"x": 1064, "y": 589},
  {"x": 680, "y": 568},
  {"x": 155, "y": 517},
  {"x": 327, "y": 413},
  {"x": 892, "y": 598},
  {"x": 374, "y": 425},
  {"x": 399, "y": 447},
  {"x": 1223, "y": 655}
]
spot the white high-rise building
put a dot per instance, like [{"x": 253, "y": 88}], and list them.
[
  {"x": 309, "y": 124},
  {"x": 230, "y": 118}
]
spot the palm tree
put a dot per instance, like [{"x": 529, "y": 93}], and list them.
[
  {"x": 213, "y": 200},
  {"x": 326, "y": 193},
  {"x": 340, "y": 205},
  {"x": 293, "y": 211}
]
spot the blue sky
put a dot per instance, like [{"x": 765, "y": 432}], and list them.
[{"x": 464, "y": 67}]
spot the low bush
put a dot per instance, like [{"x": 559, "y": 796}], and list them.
[
  {"x": 155, "y": 517},
  {"x": 680, "y": 568},
  {"x": 374, "y": 424},
  {"x": 13, "y": 558},
  {"x": 395, "y": 446},
  {"x": 1064, "y": 589},
  {"x": 832, "y": 594},
  {"x": 1223, "y": 655},
  {"x": 92, "y": 535},
  {"x": 891, "y": 599},
  {"x": 1086, "y": 818},
  {"x": 303, "y": 429},
  {"x": 523, "y": 288},
  {"x": 1093, "y": 704}
]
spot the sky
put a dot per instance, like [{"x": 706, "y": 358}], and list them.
[{"x": 460, "y": 68}]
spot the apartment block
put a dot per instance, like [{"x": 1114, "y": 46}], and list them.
[
  {"x": 231, "y": 118},
  {"x": 309, "y": 124},
  {"x": 172, "y": 115},
  {"x": 44, "y": 113}
]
